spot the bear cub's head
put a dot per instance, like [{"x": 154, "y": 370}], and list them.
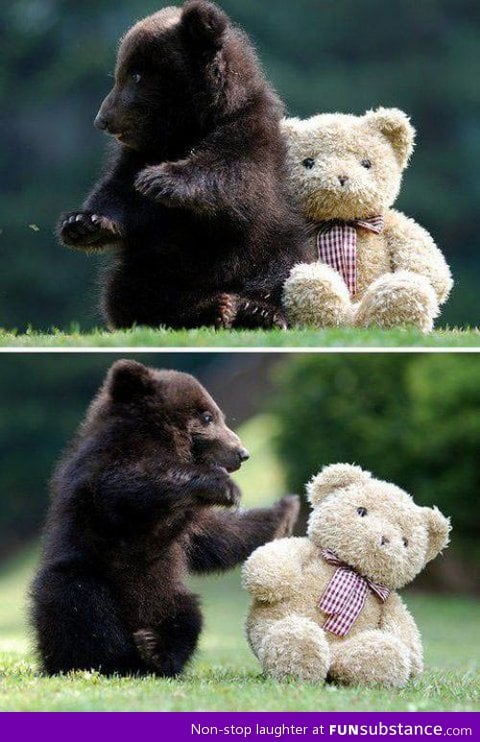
[
  {"x": 164, "y": 413},
  {"x": 347, "y": 167},
  {"x": 176, "y": 71},
  {"x": 373, "y": 526}
]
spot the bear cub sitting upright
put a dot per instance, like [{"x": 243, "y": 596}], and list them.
[
  {"x": 141, "y": 498},
  {"x": 194, "y": 201}
]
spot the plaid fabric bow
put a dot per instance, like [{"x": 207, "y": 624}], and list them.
[
  {"x": 337, "y": 245},
  {"x": 345, "y": 596}
]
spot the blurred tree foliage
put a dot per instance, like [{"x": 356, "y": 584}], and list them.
[
  {"x": 411, "y": 419},
  {"x": 321, "y": 55}
]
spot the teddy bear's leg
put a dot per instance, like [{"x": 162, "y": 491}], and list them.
[
  {"x": 295, "y": 646},
  {"x": 317, "y": 296},
  {"x": 371, "y": 657},
  {"x": 402, "y": 298}
]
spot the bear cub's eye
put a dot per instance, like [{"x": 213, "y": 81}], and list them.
[
  {"x": 136, "y": 77},
  {"x": 362, "y": 512},
  {"x": 309, "y": 162},
  {"x": 366, "y": 163},
  {"x": 206, "y": 418},
  {"x": 405, "y": 541}
]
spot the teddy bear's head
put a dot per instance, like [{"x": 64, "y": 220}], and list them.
[
  {"x": 345, "y": 167},
  {"x": 373, "y": 526}
]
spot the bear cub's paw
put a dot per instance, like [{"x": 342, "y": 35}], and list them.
[
  {"x": 243, "y": 313},
  {"x": 252, "y": 314},
  {"x": 219, "y": 489},
  {"x": 89, "y": 230},
  {"x": 161, "y": 183},
  {"x": 289, "y": 507}
]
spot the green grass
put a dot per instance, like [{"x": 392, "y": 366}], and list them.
[
  {"x": 206, "y": 338},
  {"x": 225, "y": 675}
]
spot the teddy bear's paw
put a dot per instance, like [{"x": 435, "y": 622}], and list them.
[
  {"x": 316, "y": 295},
  {"x": 371, "y": 658},
  {"x": 399, "y": 299},
  {"x": 295, "y": 647}
]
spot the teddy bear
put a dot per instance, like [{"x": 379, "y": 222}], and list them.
[
  {"x": 375, "y": 266},
  {"x": 326, "y": 606}
]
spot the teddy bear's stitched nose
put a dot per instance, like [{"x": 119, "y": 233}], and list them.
[
  {"x": 385, "y": 540},
  {"x": 343, "y": 179}
]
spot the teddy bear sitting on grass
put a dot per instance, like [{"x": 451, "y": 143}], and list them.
[
  {"x": 376, "y": 267},
  {"x": 326, "y": 606}
]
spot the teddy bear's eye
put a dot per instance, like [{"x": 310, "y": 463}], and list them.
[
  {"x": 405, "y": 541},
  {"x": 362, "y": 512},
  {"x": 366, "y": 163},
  {"x": 309, "y": 162}
]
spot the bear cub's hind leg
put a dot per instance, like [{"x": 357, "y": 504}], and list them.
[{"x": 165, "y": 649}]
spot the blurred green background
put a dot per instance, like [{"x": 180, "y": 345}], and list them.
[
  {"x": 413, "y": 419},
  {"x": 321, "y": 55}
]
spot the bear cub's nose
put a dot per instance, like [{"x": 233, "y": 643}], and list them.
[
  {"x": 243, "y": 455},
  {"x": 100, "y": 122},
  {"x": 343, "y": 179}
]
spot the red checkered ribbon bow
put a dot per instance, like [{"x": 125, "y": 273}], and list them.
[
  {"x": 337, "y": 245},
  {"x": 345, "y": 596}
]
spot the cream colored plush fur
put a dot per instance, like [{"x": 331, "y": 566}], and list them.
[
  {"x": 286, "y": 579},
  {"x": 402, "y": 276}
]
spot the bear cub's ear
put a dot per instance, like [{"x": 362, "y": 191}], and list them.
[
  {"x": 334, "y": 477},
  {"x": 204, "y": 23},
  {"x": 439, "y": 528},
  {"x": 129, "y": 380},
  {"x": 396, "y": 127}
]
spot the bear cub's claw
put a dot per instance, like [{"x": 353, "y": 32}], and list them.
[{"x": 238, "y": 312}]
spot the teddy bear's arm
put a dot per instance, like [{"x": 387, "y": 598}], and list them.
[
  {"x": 272, "y": 572},
  {"x": 412, "y": 249},
  {"x": 396, "y": 619}
]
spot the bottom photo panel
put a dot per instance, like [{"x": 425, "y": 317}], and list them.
[{"x": 240, "y": 532}]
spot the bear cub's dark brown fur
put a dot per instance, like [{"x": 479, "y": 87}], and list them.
[
  {"x": 142, "y": 497},
  {"x": 194, "y": 201}
]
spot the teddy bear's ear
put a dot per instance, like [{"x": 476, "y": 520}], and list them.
[
  {"x": 396, "y": 127},
  {"x": 439, "y": 528},
  {"x": 129, "y": 380},
  {"x": 204, "y": 23},
  {"x": 333, "y": 477},
  {"x": 289, "y": 126}
]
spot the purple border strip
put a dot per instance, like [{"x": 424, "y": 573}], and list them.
[{"x": 237, "y": 726}]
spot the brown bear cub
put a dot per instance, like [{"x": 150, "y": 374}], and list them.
[
  {"x": 194, "y": 201},
  {"x": 141, "y": 498}
]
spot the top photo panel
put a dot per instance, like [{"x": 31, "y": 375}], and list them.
[{"x": 240, "y": 174}]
